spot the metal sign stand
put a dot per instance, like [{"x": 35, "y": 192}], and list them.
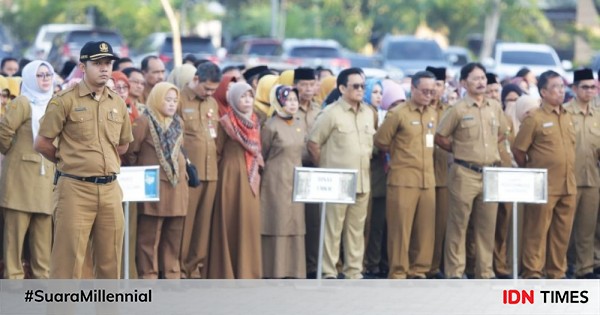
[
  {"x": 321, "y": 241},
  {"x": 515, "y": 260},
  {"x": 126, "y": 242}
]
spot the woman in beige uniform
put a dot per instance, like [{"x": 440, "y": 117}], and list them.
[
  {"x": 158, "y": 137},
  {"x": 283, "y": 226},
  {"x": 235, "y": 251},
  {"x": 26, "y": 180}
]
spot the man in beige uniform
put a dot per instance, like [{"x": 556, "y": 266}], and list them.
[
  {"x": 305, "y": 82},
  {"x": 587, "y": 127},
  {"x": 342, "y": 137},
  {"x": 407, "y": 134},
  {"x": 154, "y": 72},
  {"x": 440, "y": 167},
  {"x": 200, "y": 114},
  {"x": 471, "y": 130},
  {"x": 546, "y": 139},
  {"x": 93, "y": 128}
]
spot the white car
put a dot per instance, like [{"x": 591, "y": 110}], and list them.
[
  {"x": 509, "y": 58},
  {"x": 43, "y": 40}
]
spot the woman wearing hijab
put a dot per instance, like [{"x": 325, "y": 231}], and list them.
[
  {"x": 26, "y": 179},
  {"x": 262, "y": 106},
  {"x": 283, "y": 226},
  {"x": 122, "y": 88},
  {"x": 327, "y": 85},
  {"x": 221, "y": 93},
  {"x": 235, "y": 249},
  {"x": 158, "y": 138}
]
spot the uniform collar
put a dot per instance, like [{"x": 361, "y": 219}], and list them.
[
  {"x": 414, "y": 107},
  {"x": 85, "y": 90},
  {"x": 577, "y": 109},
  {"x": 551, "y": 109},
  {"x": 471, "y": 102},
  {"x": 347, "y": 107},
  {"x": 188, "y": 93}
]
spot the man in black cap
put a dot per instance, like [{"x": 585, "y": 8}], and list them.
[
  {"x": 251, "y": 75},
  {"x": 305, "y": 81},
  {"x": 493, "y": 87},
  {"x": 440, "y": 167},
  {"x": 587, "y": 132},
  {"x": 92, "y": 125}
]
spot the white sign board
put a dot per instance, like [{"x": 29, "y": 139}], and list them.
[
  {"x": 324, "y": 185},
  {"x": 140, "y": 183},
  {"x": 523, "y": 185}
]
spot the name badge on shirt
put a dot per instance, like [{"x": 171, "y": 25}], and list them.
[
  {"x": 212, "y": 131},
  {"x": 415, "y": 122},
  {"x": 189, "y": 110},
  {"x": 429, "y": 140},
  {"x": 548, "y": 124},
  {"x": 80, "y": 109},
  {"x": 468, "y": 117}
]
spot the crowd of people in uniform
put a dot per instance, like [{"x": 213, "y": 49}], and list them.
[{"x": 419, "y": 148}]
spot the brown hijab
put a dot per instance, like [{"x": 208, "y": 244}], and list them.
[{"x": 221, "y": 93}]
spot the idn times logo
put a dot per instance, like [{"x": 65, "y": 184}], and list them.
[{"x": 547, "y": 296}]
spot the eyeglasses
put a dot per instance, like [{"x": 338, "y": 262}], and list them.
[
  {"x": 45, "y": 75},
  {"x": 121, "y": 88},
  {"x": 427, "y": 92},
  {"x": 358, "y": 86},
  {"x": 587, "y": 87},
  {"x": 136, "y": 82}
]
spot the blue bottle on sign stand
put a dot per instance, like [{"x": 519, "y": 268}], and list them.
[{"x": 150, "y": 183}]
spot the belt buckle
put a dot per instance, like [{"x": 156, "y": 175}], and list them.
[{"x": 96, "y": 179}]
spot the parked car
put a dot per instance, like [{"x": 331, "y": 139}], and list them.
[
  {"x": 409, "y": 54},
  {"x": 457, "y": 57},
  {"x": 370, "y": 66},
  {"x": 509, "y": 58},
  {"x": 7, "y": 45},
  {"x": 67, "y": 46},
  {"x": 254, "y": 51},
  {"x": 43, "y": 40},
  {"x": 313, "y": 53},
  {"x": 161, "y": 45}
]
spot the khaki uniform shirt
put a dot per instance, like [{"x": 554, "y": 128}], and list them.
[
  {"x": 440, "y": 156},
  {"x": 549, "y": 141},
  {"x": 88, "y": 130},
  {"x": 346, "y": 139},
  {"x": 474, "y": 130},
  {"x": 587, "y": 133},
  {"x": 307, "y": 119},
  {"x": 404, "y": 133},
  {"x": 199, "y": 118}
]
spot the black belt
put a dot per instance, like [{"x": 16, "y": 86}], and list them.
[
  {"x": 474, "y": 167},
  {"x": 91, "y": 179}
]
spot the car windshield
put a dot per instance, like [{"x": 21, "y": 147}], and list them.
[
  {"x": 536, "y": 58},
  {"x": 414, "y": 50},
  {"x": 190, "y": 45},
  {"x": 315, "y": 52},
  {"x": 265, "y": 49},
  {"x": 83, "y": 37}
]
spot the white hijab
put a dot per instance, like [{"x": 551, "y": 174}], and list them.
[{"x": 37, "y": 98}]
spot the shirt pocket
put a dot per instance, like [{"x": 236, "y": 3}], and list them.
[
  {"x": 114, "y": 126},
  {"x": 191, "y": 118},
  {"x": 81, "y": 125},
  {"x": 469, "y": 128},
  {"x": 345, "y": 136}
]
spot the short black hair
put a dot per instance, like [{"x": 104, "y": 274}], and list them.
[
  {"x": 229, "y": 68},
  {"x": 416, "y": 78},
  {"x": 7, "y": 59},
  {"x": 468, "y": 68},
  {"x": 333, "y": 96},
  {"x": 342, "y": 78},
  {"x": 120, "y": 61},
  {"x": 145, "y": 62},
  {"x": 320, "y": 69},
  {"x": 128, "y": 71},
  {"x": 522, "y": 72},
  {"x": 545, "y": 77},
  {"x": 200, "y": 61},
  {"x": 208, "y": 71},
  {"x": 190, "y": 57}
]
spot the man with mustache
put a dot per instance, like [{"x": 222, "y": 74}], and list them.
[{"x": 471, "y": 129}]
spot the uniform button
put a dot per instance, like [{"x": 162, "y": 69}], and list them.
[{"x": 486, "y": 144}]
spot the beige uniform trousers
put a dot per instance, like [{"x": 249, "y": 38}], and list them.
[
  {"x": 441, "y": 216},
  {"x": 546, "y": 233},
  {"x": 196, "y": 230},
  {"x": 466, "y": 203},
  {"x": 17, "y": 224},
  {"x": 410, "y": 218},
  {"x": 87, "y": 212},
  {"x": 581, "y": 247},
  {"x": 345, "y": 223},
  {"x": 159, "y": 246}
]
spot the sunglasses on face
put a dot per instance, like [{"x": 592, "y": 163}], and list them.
[{"x": 357, "y": 86}]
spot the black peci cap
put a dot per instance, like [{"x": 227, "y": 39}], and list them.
[
  {"x": 583, "y": 74},
  {"x": 304, "y": 74},
  {"x": 439, "y": 73},
  {"x": 491, "y": 78},
  {"x": 250, "y": 73},
  {"x": 97, "y": 50}
]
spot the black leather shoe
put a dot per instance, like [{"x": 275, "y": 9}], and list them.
[
  {"x": 437, "y": 275},
  {"x": 311, "y": 275},
  {"x": 501, "y": 276}
]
